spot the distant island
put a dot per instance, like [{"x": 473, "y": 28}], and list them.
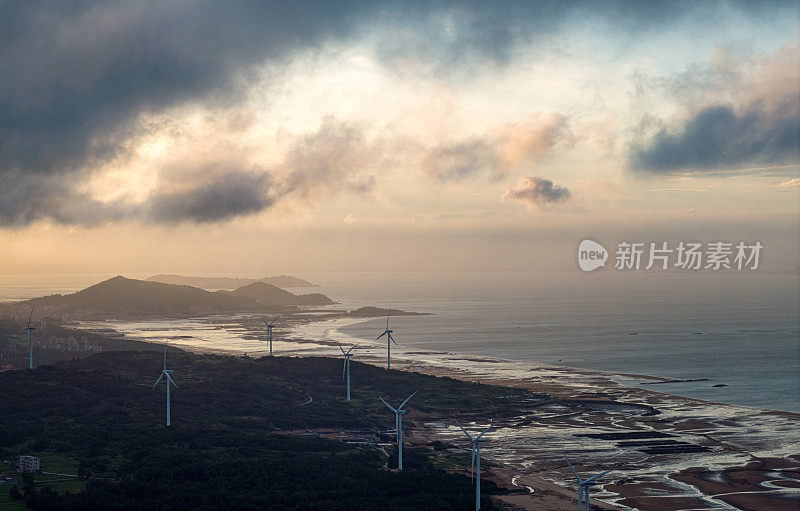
[
  {"x": 229, "y": 283},
  {"x": 123, "y": 297},
  {"x": 268, "y": 294},
  {"x": 371, "y": 312}
]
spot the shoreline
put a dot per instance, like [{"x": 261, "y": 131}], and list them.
[
  {"x": 702, "y": 437},
  {"x": 295, "y": 340}
]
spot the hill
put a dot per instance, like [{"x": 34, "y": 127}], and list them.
[
  {"x": 241, "y": 435},
  {"x": 229, "y": 283},
  {"x": 120, "y": 297},
  {"x": 123, "y": 297},
  {"x": 268, "y": 294}
]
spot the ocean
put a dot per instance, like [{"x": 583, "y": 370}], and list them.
[{"x": 738, "y": 332}]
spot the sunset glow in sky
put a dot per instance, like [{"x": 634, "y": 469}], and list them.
[{"x": 220, "y": 137}]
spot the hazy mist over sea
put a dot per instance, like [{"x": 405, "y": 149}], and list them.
[{"x": 736, "y": 329}]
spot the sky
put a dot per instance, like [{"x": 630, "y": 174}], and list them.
[{"x": 270, "y": 137}]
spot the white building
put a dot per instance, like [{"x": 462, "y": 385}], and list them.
[{"x": 28, "y": 464}]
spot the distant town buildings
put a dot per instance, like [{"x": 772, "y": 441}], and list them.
[
  {"x": 7, "y": 480},
  {"x": 28, "y": 464},
  {"x": 54, "y": 343},
  {"x": 67, "y": 344}
]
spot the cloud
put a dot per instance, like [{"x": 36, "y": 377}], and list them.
[
  {"x": 720, "y": 137},
  {"x": 792, "y": 183},
  {"x": 226, "y": 196},
  {"x": 334, "y": 158},
  {"x": 208, "y": 188},
  {"x": 498, "y": 153},
  {"x": 742, "y": 111},
  {"x": 80, "y": 79},
  {"x": 537, "y": 191},
  {"x": 462, "y": 159}
]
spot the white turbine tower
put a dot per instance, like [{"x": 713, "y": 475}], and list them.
[
  {"x": 476, "y": 454},
  {"x": 398, "y": 427},
  {"x": 389, "y": 341},
  {"x": 29, "y": 329},
  {"x": 168, "y": 373},
  {"x": 583, "y": 486},
  {"x": 346, "y": 367},
  {"x": 270, "y": 326}
]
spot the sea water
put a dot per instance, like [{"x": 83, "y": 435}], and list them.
[{"x": 737, "y": 332}]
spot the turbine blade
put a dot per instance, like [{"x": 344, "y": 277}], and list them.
[
  {"x": 573, "y": 469},
  {"x": 171, "y": 380},
  {"x": 484, "y": 432},
  {"x": 344, "y": 367},
  {"x": 406, "y": 401},
  {"x": 274, "y": 320},
  {"x": 342, "y": 350},
  {"x": 598, "y": 475},
  {"x": 392, "y": 338},
  {"x": 464, "y": 430},
  {"x": 388, "y": 311},
  {"x": 158, "y": 380},
  {"x": 31, "y": 315},
  {"x": 351, "y": 349},
  {"x": 390, "y": 406},
  {"x": 384, "y": 333}
]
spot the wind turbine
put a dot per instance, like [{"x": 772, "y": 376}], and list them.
[
  {"x": 168, "y": 373},
  {"x": 398, "y": 427},
  {"x": 29, "y": 329},
  {"x": 346, "y": 367},
  {"x": 389, "y": 341},
  {"x": 583, "y": 486},
  {"x": 476, "y": 453},
  {"x": 270, "y": 326}
]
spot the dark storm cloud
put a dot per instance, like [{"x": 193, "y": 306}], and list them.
[
  {"x": 228, "y": 195},
  {"x": 538, "y": 191},
  {"x": 24, "y": 200},
  {"x": 76, "y": 76},
  {"x": 719, "y": 137}
]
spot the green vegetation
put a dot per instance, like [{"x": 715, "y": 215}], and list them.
[
  {"x": 62, "y": 477},
  {"x": 237, "y": 438}
]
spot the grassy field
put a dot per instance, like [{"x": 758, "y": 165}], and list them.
[{"x": 54, "y": 464}]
